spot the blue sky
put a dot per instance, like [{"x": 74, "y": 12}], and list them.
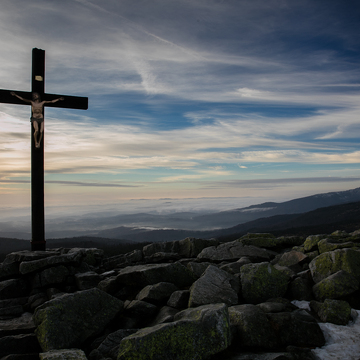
[{"x": 192, "y": 99}]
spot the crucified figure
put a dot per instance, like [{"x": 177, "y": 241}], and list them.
[{"x": 37, "y": 117}]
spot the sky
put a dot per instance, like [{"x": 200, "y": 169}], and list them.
[{"x": 252, "y": 100}]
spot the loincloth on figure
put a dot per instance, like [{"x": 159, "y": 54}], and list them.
[{"x": 38, "y": 120}]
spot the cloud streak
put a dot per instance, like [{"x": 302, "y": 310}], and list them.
[{"x": 182, "y": 93}]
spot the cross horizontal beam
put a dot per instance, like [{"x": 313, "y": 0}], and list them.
[{"x": 69, "y": 102}]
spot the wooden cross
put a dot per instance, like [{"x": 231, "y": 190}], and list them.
[{"x": 37, "y": 98}]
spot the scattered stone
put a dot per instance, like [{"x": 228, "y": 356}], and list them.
[
  {"x": 301, "y": 289},
  {"x": 233, "y": 251},
  {"x": 19, "y": 344},
  {"x": 8, "y": 270},
  {"x": 232, "y": 268},
  {"x": 195, "y": 333},
  {"x": 20, "y": 325},
  {"x": 333, "y": 261},
  {"x": 272, "y": 307},
  {"x": 122, "y": 260},
  {"x": 214, "y": 286},
  {"x": 141, "y": 312},
  {"x": 73, "y": 354},
  {"x": 262, "y": 240},
  {"x": 142, "y": 275},
  {"x": 109, "y": 285},
  {"x": 261, "y": 282},
  {"x": 311, "y": 242},
  {"x": 217, "y": 275},
  {"x": 251, "y": 328},
  {"x": 88, "y": 280},
  {"x": 157, "y": 294},
  {"x": 13, "y": 288},
  {"x": 179, "y": 299},
  {"x": 162, "y": 257},
  {"x": 336, "y": 286},
  {"x": 26, "y": 255},
  {"x": 334, "y": 311},
  {"x": 284, "y": 269},
  {"x": 264, "y": 356},
  {"x": 297, "y": 328},
  {"x": 92, "y": 256},
  {"x": 69, "y": 320},
  {"x": 51, "y": 276},
  {"x": 165, "y": 315},
  {"x": 27, "y": 267},
  {"x": 110, "y": 346},
  {"x": 293, "y": 260},
  {"x": 326, "y": 245},
  {"x": 192, "y": 247},
  {"x": 37, "y": 300},
  {"x": 198, "y": 268},
  {"x": 188, "y": 248},
  {"x": 312, "y": 255},
  {"x": 11, "y": 311}
]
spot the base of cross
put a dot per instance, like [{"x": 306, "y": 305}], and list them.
[{"x": 38, "y": 245}]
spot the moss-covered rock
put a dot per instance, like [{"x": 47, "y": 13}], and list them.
[
  {"x": 234, "y": 250},
  {"x": 289, "y": 241},
  {"x": 312, "y": 254},
  {"x": 13, "y": 288},
  {"x": 74, "y": 258},
  {"x": 69, "y": 320},
  {"x": 326, "y": 245},
  {"x": 298, "y": 248},
  {"x": 214, "y": 286},
  {"x": 18, "y": 346},
  {"x": 265, "y": 240},
  {"x": 297, "y": 328},
  {"x": 257, "y": 236},
  {"x": 336, "y": 286},
  {"x": 261, "y": 282},
  {"x": 311, "y": 242},
  {"x": 196, "y": 334},
  {"x": 259, "y": 240},
  {"x": 339, "y": 234},
  {"x": 189, "y": 247},
  {"x": 192, "y": 247},
  {"x": 72, "y": 354},
  {"x": 92, "y": 256},
  {"x": 301, "y": 289},
  {"x": 157, "y": 294},
  {"x": 293, "y": 260},
  {"x": 251, "y": 327},
  {"x": 331, "y": 262},
  {"x": 334, "y": 311},
  {"x": 150, "y": 274}
]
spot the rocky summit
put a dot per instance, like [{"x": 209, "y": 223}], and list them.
[{"x": 180, "y": 300}]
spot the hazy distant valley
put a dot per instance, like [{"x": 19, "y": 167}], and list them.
[{"x": 171, "y": 226}]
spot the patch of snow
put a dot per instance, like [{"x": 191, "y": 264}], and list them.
[
  {"x": 342, "y": 342},
  {"x": 301, "y": 304}
]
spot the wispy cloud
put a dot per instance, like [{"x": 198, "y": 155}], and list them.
[
  {"x": 184, "y": 92},
  {"x": 279, "y": 182}
]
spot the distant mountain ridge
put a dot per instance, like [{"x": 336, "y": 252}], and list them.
[
  {"x": 323, "y": 220},
  {"x": 320, "y": 221},
  {"x": 161, "y": 227},
  {"x": 267, "y": 209}
]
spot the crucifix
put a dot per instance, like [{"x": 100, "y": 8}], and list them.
[{"x": 38, "y": 99}]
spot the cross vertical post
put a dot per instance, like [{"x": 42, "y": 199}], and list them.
[
  {"x": 38, "y": 241},
  {"x": 40, "y": 99}
]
